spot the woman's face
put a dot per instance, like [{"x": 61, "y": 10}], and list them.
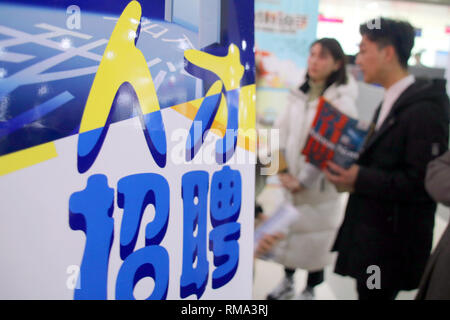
[{"x": 321, "y": 63}]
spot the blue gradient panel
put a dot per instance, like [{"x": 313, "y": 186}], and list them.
[
  {"x": 47, "y": 71},
  {"x": 34, "y": 114},
  {"x": 39, "y": 79}
]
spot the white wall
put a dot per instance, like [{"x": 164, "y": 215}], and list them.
[{"x": 432, "y": 19}]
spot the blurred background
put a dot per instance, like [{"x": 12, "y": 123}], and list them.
[{"x": 284, "y": 30}]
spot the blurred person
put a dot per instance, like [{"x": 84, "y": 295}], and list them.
[
  {"x": 389, "y": 219},
  {"x": 418, "y": 58},
  {"x": 435, "y": 283},
  {"x": 308, "y": 241}
]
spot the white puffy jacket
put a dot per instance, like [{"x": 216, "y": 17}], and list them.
[{"x": 309, "y": 240}]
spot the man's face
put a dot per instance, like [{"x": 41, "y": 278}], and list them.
[{"x": 371, "y": 60}]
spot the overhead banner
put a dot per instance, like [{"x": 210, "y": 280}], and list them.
[
  {"x": 127, "y": 149},
  {"x": 284, "y": 31}
]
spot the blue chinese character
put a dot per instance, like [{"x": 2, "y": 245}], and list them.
[
  {"x": 194, "y": 191},
  {"x": 226, "y": 191},
  {"x": 91, "y": 211},
  {"x": 135, "y": 193}
]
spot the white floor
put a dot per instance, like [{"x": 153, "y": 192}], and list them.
[{"x": 335, "y": 287}]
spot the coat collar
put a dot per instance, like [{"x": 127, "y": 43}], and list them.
[
  {"x": 390, "y": 120},
  {"x": 349, "y": 89}
]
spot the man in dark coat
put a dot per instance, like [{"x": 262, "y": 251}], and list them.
[
  {"x": 386, "y": 237},
  {"x": 435, "y": 284}
]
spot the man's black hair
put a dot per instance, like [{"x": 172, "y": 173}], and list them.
[{"x": 399, "y": 34}]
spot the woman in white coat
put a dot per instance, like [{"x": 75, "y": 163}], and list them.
[{"x": 308, "y": 242}]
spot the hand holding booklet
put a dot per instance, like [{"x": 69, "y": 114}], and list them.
[
  {"x": 335, "y": 137},
  {"x": 277, "y": 223}
]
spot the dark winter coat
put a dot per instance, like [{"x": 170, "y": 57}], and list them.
[
  {"x": 435, "y": 284},
  {"x": 389, "y": 218}
]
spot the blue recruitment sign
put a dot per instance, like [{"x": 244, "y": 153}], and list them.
[{"x": 92, "y": 100}]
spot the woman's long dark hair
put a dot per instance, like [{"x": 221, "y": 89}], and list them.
[{"x": 339, "y": 76}]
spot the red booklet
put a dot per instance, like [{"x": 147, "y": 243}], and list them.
[{"x": 334, "y": 136}]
